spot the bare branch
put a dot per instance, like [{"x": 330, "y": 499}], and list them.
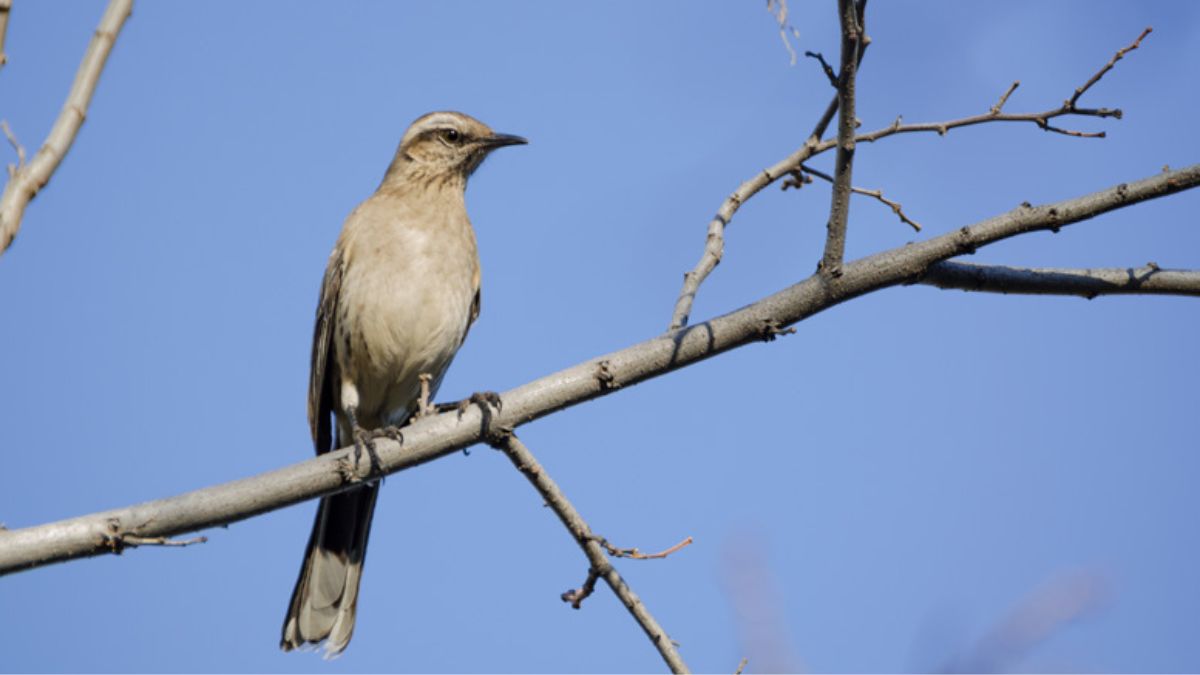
[
  {"x": 839, "y": 208},
  {"x": 1003, "y": 99},
  {"x": 601, "y": 567},
  {"x": 576, "y": 596},
  {"x": 714, "y": 245},
  {"x": 5, "y": 9},
  {"x": 825, "y": 67},
  {"x": 436, "y": 436},
  {"x": 714, "y": 241},
  {"x": 779, "y": 9},
  {"x": 635, "y": 554},
  {"x": 896, "y": 207},
  {"x": 1088, "y": 283},
  {"x": 31, "y": 178},
  {"x": 20, "y": 149},
  {"x": 1041, "y": 119},
  {"x": 1107, "y": 67},
  {"x": 741, "y": 666}
]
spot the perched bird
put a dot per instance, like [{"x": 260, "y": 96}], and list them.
[{"x": 399, "y": 295}]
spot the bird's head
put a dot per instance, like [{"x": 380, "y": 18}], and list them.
[{"x": 447, "y": 145}]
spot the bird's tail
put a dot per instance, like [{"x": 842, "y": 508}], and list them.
[{"x": 326, "y": 594}]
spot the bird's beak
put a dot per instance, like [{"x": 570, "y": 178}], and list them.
[{"x": 501, "y": 140}]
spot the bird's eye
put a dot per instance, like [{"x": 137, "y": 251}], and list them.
[{"x": 452, "y": 135}]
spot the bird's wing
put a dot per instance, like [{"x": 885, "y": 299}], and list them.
[
  {"x": 320, "y": 381},
  {"x": 475, "y": 307}
]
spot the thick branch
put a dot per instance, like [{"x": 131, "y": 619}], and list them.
[
  {"x": 435, "y": 436},
  {"x": 1088, "y": 283},
  {"x": 839, "y": 208},
  {"x": 29, "y": 179},
  {"x": 601, "y": 566}
]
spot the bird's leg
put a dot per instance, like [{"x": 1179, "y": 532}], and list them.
[
  {"x": 363, "y": 439},
  {"x": 424, "y": 407}
]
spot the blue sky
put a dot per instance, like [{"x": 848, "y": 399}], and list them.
[{"x": 881, "y": 491}]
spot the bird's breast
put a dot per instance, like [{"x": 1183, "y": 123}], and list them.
[{"x": 409, "y": 297}]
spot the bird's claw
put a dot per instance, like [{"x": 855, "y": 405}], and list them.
[
  {"x": 364, "y": 439},
  {"x": 391, "y": 432},
  {"x": 483, "y": 399}
]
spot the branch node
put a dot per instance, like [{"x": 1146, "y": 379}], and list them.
[
  {"x": 770, "y": 330},
  {"x": 576, "y": 596},
  {"x": 605, "y": 377},
  {"x": 116, "y": 540}
]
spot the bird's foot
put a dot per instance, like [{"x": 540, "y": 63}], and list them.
[
  {"x": 484, "y": 399},
  {"x": 365, "y": 441},
  {"x": 391, "y": 431}
]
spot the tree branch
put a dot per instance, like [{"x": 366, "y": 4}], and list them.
[
  {"x": 435, "y": 436},
  {"x": 839, "y": 208},
  {"x": 26, "y": 181},
  {"x": 5, "y": 9},
  {"x": 1088, "y": 283},
  {"x": 714, "y": 245},
  {"x": 714, "y": 242},
  {"x": 601, "y": 566},
  {"x": 798, "y": 180}
]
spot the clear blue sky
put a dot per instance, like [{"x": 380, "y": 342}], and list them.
[{"x": 880, "y": 491}]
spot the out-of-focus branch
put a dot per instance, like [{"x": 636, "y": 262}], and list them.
[
  {"x": 27, "y": 180},
  {"x": 839, "y": 207},
  {"x": 1042, "y": 614},
  {"x": 1149, "y": 279},
  {"x": 435, "y": 436},
  {"x": 600, "y": 566},
  {"x": 714, "y": 245}
]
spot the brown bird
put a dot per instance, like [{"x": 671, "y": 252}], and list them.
[{"x": 399, "y": 295}]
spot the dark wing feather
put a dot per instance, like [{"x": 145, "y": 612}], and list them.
[
  {"x": 320, "y": 380},
  {"x": 475, "y": 308}
]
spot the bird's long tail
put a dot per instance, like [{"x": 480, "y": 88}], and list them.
[{"x": 326, "y": 594}]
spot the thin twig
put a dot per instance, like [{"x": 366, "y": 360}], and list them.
[
  {"x": 5, "y": 8},
  {"x": 741, "y": 666},
  {"x": 1149, "y": 279},
  {"x": 1107, "y": 67},
  {"x": 779, "y": 9},
  {"x": 131, "y": 540},
  {"x": 1003, "y": 99},
  {"x": 877, "y": 194},
  {"x": 635, "y": 554},
  {"x": 600, "y": 567},
  {"x": 828, "y": 69},
  {"x": 20, "y": 149},
  {"x": 839, "y": 207},
  {"x": 28, "y": 180}
]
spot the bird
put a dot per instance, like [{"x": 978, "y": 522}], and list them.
[{"x": 400, "y": 292}]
